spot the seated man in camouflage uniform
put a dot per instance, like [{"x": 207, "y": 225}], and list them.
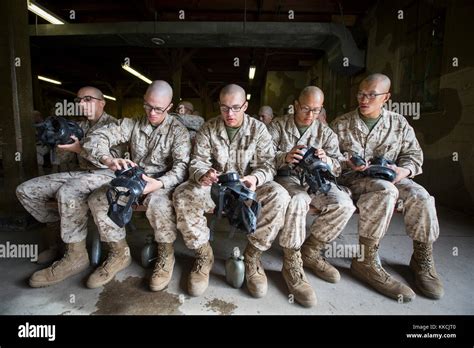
[
  {"x": 160, "y": 145},
  {"x": 233, "y": 142},
  {"x": 290, "y": 136},
  {"x": 371, "y": 131},
  {"x": 185, "y": 114},
  {"x": 265, "y": 114},
  {"x": 71, "y": 189}
]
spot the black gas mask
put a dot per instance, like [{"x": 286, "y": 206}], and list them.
[
  {"x": 377, "y": 169},
  {"x": 124, "y": 191},
  {"x": 57, "y": 130},
  {"x": 315, "y": 172},
  {"x": 236, "y": 201}
]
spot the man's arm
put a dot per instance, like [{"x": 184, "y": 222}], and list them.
[
  {"x": 275, "y": 132},
  {"x": 411, "y": 154},
  {"x": 264, "y": 168},
  {"x": 180, "y": 152},
  {"x": 331, "y": 147},
  {"x": 201, "y": 155},
  {"x": 96, "y": 146}
]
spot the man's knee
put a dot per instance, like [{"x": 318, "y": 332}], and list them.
[{"x": 271, "y": 191}]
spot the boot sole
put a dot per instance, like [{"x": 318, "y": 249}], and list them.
[{"x": 36, "y": 284}]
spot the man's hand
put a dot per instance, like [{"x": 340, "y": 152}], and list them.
[
  {"x": 209, "y": 178},
  {"x": 250, "y": 181},
  {"x": 356, "y": 168},
  {"x": 74, "y": 147},
  {"x": 117, "y": 163},
  {"x": 321, "y": 154},
  {"x": 151, "y": 184},
  {"x": 295, "y": 155},
  {"x": 402, "y": 173}
]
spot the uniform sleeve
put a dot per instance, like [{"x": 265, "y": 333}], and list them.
[
  {"x": 264, "y": 163},
  {"x": 331, "y": 147},
  {"x": 180, "y": 152},
  {"x": 275, "y": 132},
  {"x": 343, "y": 165},
  {"x": 201, "y": 156},
  {"x": 411, "y": 154},
  {"x": 98, "y": 144}
]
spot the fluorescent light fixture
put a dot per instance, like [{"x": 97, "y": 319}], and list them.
[
  {"x": 109, "y": 97},
  {"x": 136, "y": 73},
  {"x": 249, "y": 96},
  {"x": 56, "y": 82},
  {"x": 44, "y": 13},
  {"x": 252, "y": 70}
]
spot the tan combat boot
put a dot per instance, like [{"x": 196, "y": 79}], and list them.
[
  {"x": 198, "y": 280},
  {"x": 311, "y": 254},
  {"x": 370, "y": 270},
  {"x": 426, "y": 277},
  {"x": 74, "y": 261},
  {"x": 295, "y": 278},
  {"x": 254, "y": 274},
  {"x": 163, "y": 267},
  {"x": 118, "y": 259}
]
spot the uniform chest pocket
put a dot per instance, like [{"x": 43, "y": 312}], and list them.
[{"x": 160, "y": 153}]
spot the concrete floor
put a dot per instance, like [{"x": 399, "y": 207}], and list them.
[{"x": 129, "y": 294}]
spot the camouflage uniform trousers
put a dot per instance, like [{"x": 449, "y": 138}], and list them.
[
  {"x": 336, "y": 208},
  {"x": 376, "y": 200},
  {"x": 192, "y": 200},
  {"x": 71, "y": 190},
  {"x": 159, "y": 211}
]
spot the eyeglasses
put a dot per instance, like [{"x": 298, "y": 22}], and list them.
[
  {"x": 234, "y": 108},
  {"x": 158, "y": 110},
  {"x": 307, "y": 109},
  {"x": 370, "y": 96},
  {"x": 86, "y": 98}
]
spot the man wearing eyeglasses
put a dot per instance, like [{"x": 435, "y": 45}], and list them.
[
  {"x": 291, "y": 135},
  {"x": 71, "y": 189},
  {"x": 370, "y": 131},
  {"x": 233, "y": 142},
  {"x": 160, "y": 145}
]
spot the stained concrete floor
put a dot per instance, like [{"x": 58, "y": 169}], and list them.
[{"x": 129, "y": 294}]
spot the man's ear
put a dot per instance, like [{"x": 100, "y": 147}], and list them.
[
  {"x": 170, "y": 107},
  {"x": 387, "y": 97},
  {"x": 246, "y": 105}
]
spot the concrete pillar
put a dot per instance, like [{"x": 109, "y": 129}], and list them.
[{"x": 16, "y": 104}]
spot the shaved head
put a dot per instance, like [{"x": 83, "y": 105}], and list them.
[
  {"x": 158, "y": 96},
  {"x": 373, "y": 94},
  {"x": 160, "y": 89},
  {"x": 233, "y": 89},
  {"x": 94, "y": 108},
  {"x": 308, "y": 105},
  {"x": 380, "y": 79},
  {"x": 185, "y": 107},
  {"x": 265, "y": 114},
  {"x": 311, "y": 91},
  {"x": 232, "y": 97},
  {"x": 92, "y": 91}
]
